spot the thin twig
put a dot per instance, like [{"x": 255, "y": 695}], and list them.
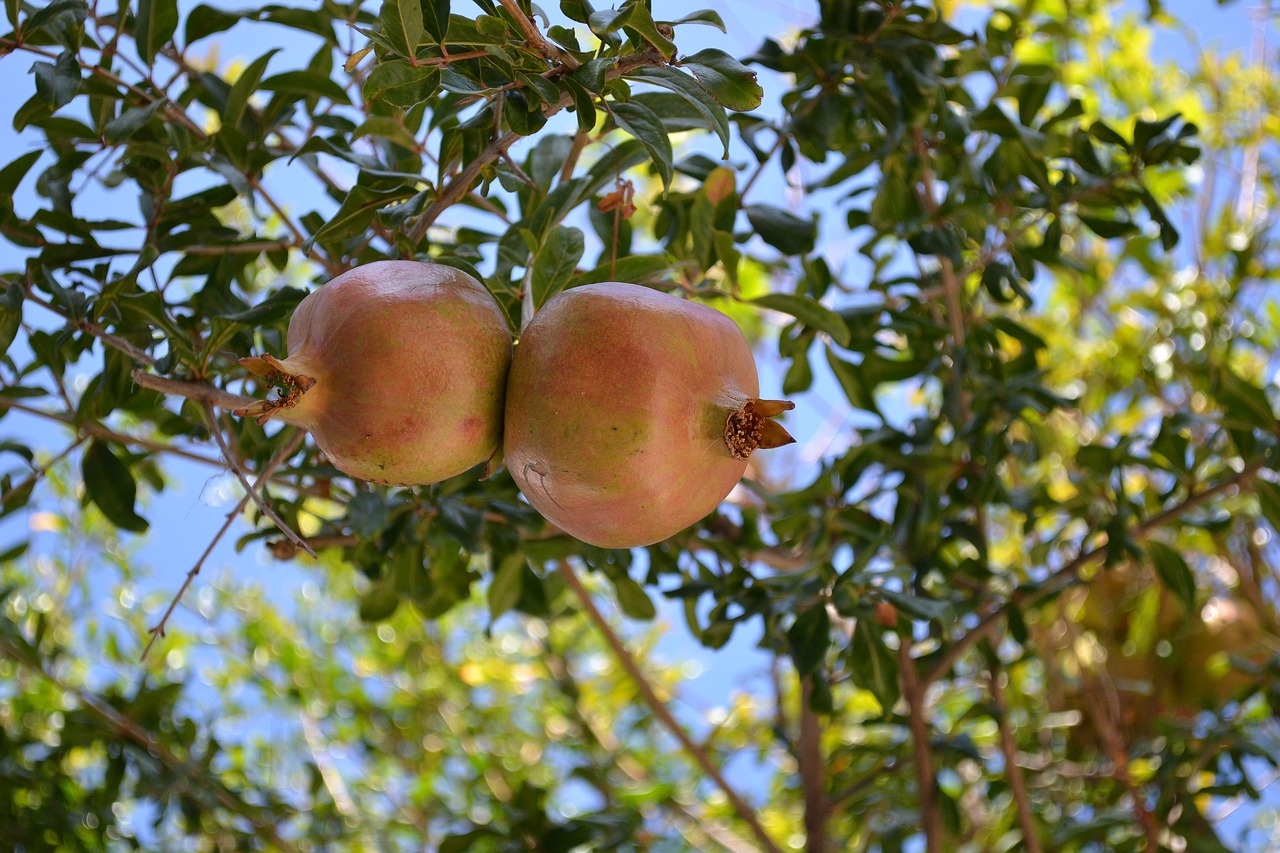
[
  {"x": 285, "y": 452},
  {"x": 913, "y": 690},
  {"x": 1012, "y": 771},
  {"x": 206, "y": 395},
  {"x": 659, "y": 709},
  {"x": 251, "y": 490}
]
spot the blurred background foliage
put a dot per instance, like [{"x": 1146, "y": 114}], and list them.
[{"x": 1015, "y": 589}]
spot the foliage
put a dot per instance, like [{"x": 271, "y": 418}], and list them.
[{"x": 1025, "y": 282}]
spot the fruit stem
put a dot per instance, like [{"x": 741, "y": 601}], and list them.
[
  {"x": 277, "y": 374},
  {"x": 750, "y": 428}
]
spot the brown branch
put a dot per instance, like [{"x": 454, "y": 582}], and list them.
[
  {"x": 285, "y": 452},
  {"x": 812, "y": 774},
  {"x": 660, "y": 710},
  {"x": 913, "y": 690},
  {"x": 1065, "y": 576},
  {"x": 1012, "y": 770},
  {"x": 535, "y": 38},
  {"x": 1103, "y": 716},
  {"x": 199, "y": 392}
]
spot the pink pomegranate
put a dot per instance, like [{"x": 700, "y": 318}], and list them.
[
  {"x": 631, "y": 413},
  {"x": 397, "y": 369}
]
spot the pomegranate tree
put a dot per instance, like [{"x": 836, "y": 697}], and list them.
[
  {"x": 631, "y": 413},
  {"x": 397, "y": 369}
]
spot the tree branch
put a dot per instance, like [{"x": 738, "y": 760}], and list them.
[
  {"x": 913, "y": 690},
  {"x": 535, "y": 38},
  {"x": 1012, "y": 771},
  {"x": 206, "y": 395},
  {"x": 660, "y": 710},
  {"x": 812, "y": 774}
]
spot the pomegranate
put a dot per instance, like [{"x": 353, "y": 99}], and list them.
[
  {"x": 631, "y": 413},
  {"x": 397, "y": 369}
]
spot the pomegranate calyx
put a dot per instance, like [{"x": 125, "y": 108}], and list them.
[
  {"x": 276, "y": 374},
  {"x": 750, "y": 429}
]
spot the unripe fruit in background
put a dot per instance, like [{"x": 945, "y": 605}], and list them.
[
  {"x": 1226, "y": 631},
  {"x": 631, "y": 413},
  {"x": 397, "y": 369}
]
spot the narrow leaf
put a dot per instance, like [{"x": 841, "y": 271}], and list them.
[
  {"x": 556, "y": 263},
  {"x": 154, "y": 26},
  {"x": 691, "y": 91},
  {"x": 809, "y": 638},
  {"x": 810, "y": 312},
  {"x": 246, "y": 84},
  {"x": 646, "y": 127},
  {"x": 1174, "y": 573},
  {"x": 402, "y": 25},
  {"x": 782, "y": 229},
  {"x": 110, "y": 485},
  {"x": 400, "y": 84},
  {"x": 435, "y": 19},
  {"x": 731, "y": 83}
]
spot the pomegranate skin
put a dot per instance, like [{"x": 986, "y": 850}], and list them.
[
  {"x": 616, "y": 412},
  {"x": 409, "y": 361}
]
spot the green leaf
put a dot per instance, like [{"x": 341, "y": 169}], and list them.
[
  {"x": 204, "y": 21},
  {"x": 10, "y": 315},
  {"x": 872, "y": 665},
  {"x": 691, "y": 91},
  {"x": 244, "y": 87},
  {"x": 584, "y": 106},
  {"x": 129, "y": 122},
  {"x": 1268, "y": 501},
  {"x": 556, "y": 262},
  {"x": 610, "y": 20},
  {"x": 704, "y": 16},
  {"x": 507, "y": 585},
  {"x": 809, "y": 638},
  {"x": 58, "y": 83},
  {"x": 646, "y": 127},
  {"x": 1243, "y": 402},
  {"x": 1174, "y": 573},
  {"x": 632, "y": 598},
  {"x": 812, "y": 313},
  {"x": 782, "y": 229},
  {"x": 379, "y": 601},
  {"x": 13, "y": 173},
  {"x": 1108, "y": 228},
  {"x": 642, "y": 24},
  {"x": 400, "y": 84},
  {"x": 357, "y": 211},
  {"x": 154, "y": 26},
  {"x": 306, "y": 83},
  {"x": 402, "y": 25},
  {"x": 109, "y": 483},
  {"x": 637, "y": 269},
  {"x": 731, "y": 83},
  {"x": 435, "y": 19}
]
